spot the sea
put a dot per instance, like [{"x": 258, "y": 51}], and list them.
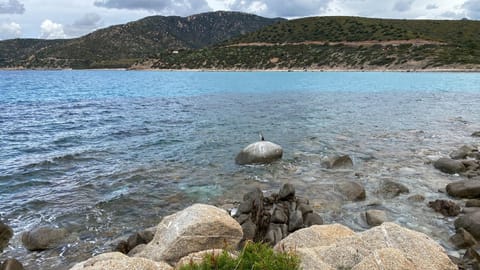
[{"x": 106, "y": 153}]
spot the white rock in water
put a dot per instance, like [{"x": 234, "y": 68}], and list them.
[{"x": 259, "y": 152}]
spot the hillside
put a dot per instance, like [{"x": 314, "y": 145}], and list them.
[
  {"x": 122, "y": 45},
  {"x": 342, "y": 43}
]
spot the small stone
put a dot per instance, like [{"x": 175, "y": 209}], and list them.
[
  {"x": 463, "y": 239},
  {"x": 339, "y": 162},
  {"x": 449, "y": 166},
  {"x": 43, "y": 238},
  {"x": 445, "y": 207},
  {"x": 287, "y": 192},
  {"x": 375, "y": 217},
  {"x": 6, "y": 234},
  {"x": 11, "y": 264},
  {"x": 473, "y": 203},
  {"x": 391, "y": 189},
  {"x": 311, "y": 219},
  {"x": 470, "y": 222},
  {"x": 416, "y": 198},
  {"x": 464, "y": 189},
  {"x": 353, "y": 191},
  {"x": 462, "y": 152}
]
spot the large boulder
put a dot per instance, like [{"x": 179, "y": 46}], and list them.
[
  {"x": 43, "y": 238},
  {"x": 388, "y": 246},
  {"x": 5, "y": 234},
  {"x": 464, "y": 189},
  {"x": 11, "y": 264},
  {"x": 470, "y": 222},
  {"x": 450, "y": 166},
  {"x": 196, "y": 228},
  {"x": 119, "y": 261},
  {"x": 259, "y": 153}
]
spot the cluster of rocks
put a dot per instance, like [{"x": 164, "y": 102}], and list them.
[
  {"x": 465, "y": 162},
  {"x": 270, "y": 219},
  {"x": 6, "y": 233},
  {"x": 190, "y": 234}
]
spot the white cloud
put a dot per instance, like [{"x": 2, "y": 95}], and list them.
[
  {"x": 10, "y": 30},
  {"x": 51, "y": 30},
  {"x": 282, "y": 8},
  {"x": 86, "y": 24},
  {"x": 472, "y": 9},
  {"x": 11, "y": 7},
  {"x": 403, "y": 5},
  {"x": 172, "y": 7}
]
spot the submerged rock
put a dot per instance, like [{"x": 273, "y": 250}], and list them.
[
  {"x": 339, "y": 162},
  {"x": 352, "y": 191},
  {"x": 375, "y": 217},
  {"x": 43, "y": 238},
  {"x": 390, "y": 189},
  {"x": 476, "y": 134},
  {"x": 449, "y": 166},
  {"x": 462, "y": 152},
  {"x": 470, "y": 222},
  {"x": 259, "y": 153},
  {"x": 5, "y": 234}
]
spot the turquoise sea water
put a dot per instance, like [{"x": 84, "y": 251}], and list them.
[{"x": 105, "y": 153}]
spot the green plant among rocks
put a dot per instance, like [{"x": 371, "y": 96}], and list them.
[{"x": 254, "y": 256}]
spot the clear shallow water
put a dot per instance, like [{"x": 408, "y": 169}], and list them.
[{"x": 106, "y": 153}]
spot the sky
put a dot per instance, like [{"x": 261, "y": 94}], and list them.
[{"x": 51, "y": 19}]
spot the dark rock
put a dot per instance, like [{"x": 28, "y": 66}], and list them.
[
  {"x": 375, "y": 217},
  {"x": 259, "y": 153},
  {"x": 279, "y": 216},
  {"x": 122, "y": 247},
  {"x": 251, "y": 200},
  {"x": 339, "y": 162},
  {"x": 311, "y": 219},
  {"x": 463, "y": 239},
  {"x": 138, "y": 238},
  {"x": 476, "y": 134},
  {"x": 473, "y": 203},
  {"x": 470, "y": 222},
  {"x": 287, "y": 192},
  {"x": 416, "y": 198},
  {"x": 353, "y": 191},
  {"x": 295, "y": 221},
  {"x": 274, "y": 234},
  {"x": 6, "y": 234},
  {"x": 249, "y": 229},
  {"x": 11, "y": 264},
  {"x": 445, "y": 207},
  {"x": 304, "y": 208},
  {"x": 462, "y": 152},
  {"x": 390, "y": 189},
  {"x": 242, "y": 218},
  {"x": 464, "y": 189},
  {"x": 43, "y": 238},
  {"x": 450, "y": 166}
]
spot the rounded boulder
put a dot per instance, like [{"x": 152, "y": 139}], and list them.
[{"x": 262, "y": 152}]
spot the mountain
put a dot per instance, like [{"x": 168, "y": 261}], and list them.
[
  {"x": 342, "y": 43},
  {"x": 123, "y": 45}
]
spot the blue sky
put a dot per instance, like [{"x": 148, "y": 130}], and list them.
[{"x": 73, "y": 18}]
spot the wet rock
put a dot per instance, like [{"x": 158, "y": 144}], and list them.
[
  {"x": 416, "y": 198},
  {"x": 43, "y": 238},
  {"x": 463, "y": 239},
  {"x": 470, "y": 222},
  {"x": 445, "y": 207},
  {"x": 473, "y": 203},
  {"x": 6, "y": 234},
  {"x": 390, "y": 189},
  {"x": 462, "y": 152},
  {"x": 259, "y": 153},
  {"x": 11, "y": 264},
  {"x": 449, "y": 166},
  {"x": 338, "y": 162},
  {"x": 196, "y": 228},
  {"x": 375, "y": 217},
  {"x": 138, "y": 238},
  {"x": 353, "y": 191},
  {"x": 311, "y": 219},
  {"x": 476, "y": 134},
  {"x": 287, "y": 192},
  {"x": 464, "y": 189},
  {"x": 119, "y": 261}
]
